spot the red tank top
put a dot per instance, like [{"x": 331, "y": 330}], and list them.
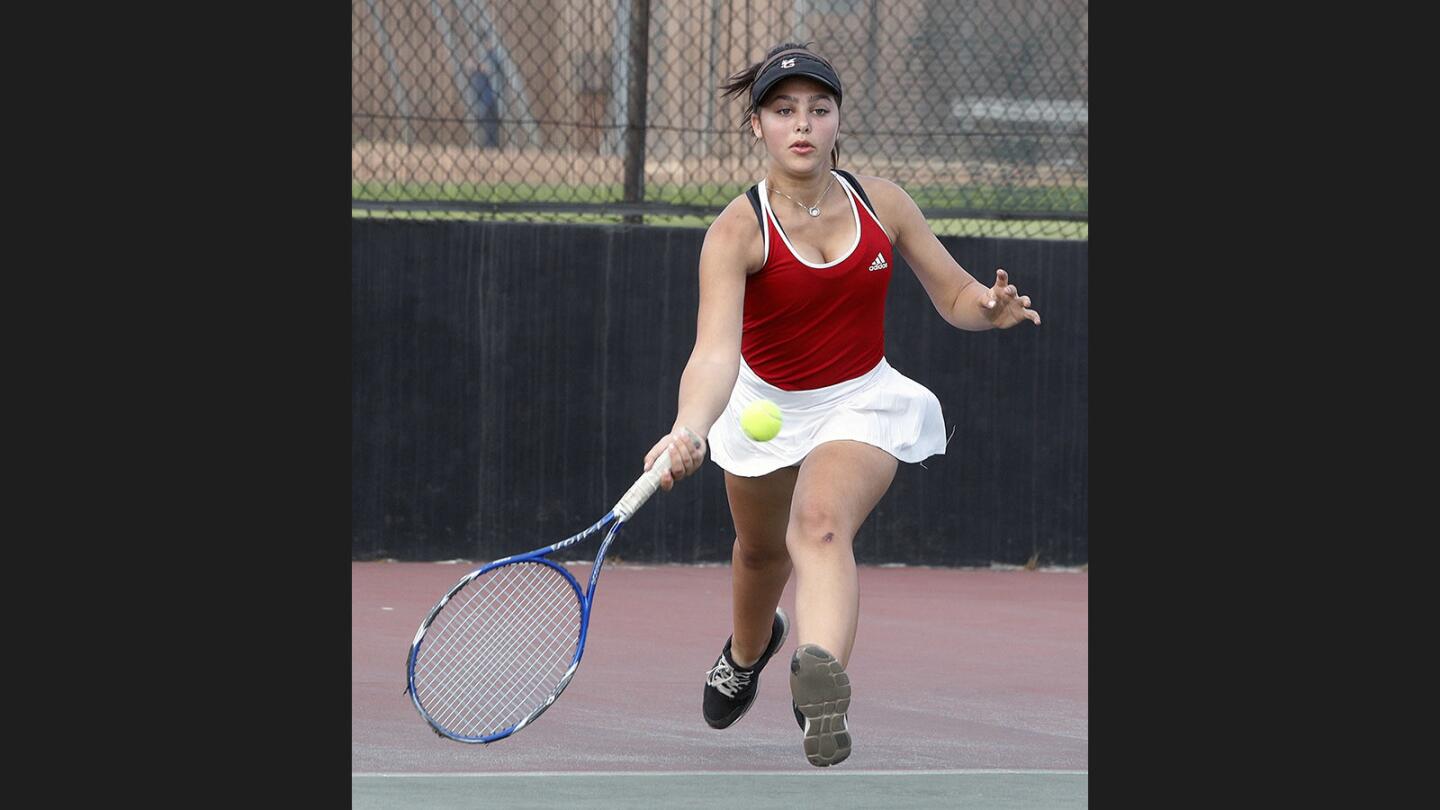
[{"x": 812, "y": 325}]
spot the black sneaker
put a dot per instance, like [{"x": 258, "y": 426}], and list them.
[
  {"x": 821, "y": 695},
  {"x": 730, "y": 690}
]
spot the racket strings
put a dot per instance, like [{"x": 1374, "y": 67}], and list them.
[
  {"x": 496, "y": 655},
  {"x": 480, "y": 648},
  {"x": 496, "y": 592},
  {"x": 525, "y": 700},
  {"x": 480, "y": 659},
  {"x": 512, "y": 658},
  {"x": 502, "y": 669}
]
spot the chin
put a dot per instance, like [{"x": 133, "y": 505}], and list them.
[{"x": 802, "y": 164}]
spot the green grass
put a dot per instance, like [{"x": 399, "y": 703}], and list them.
[
  {"x": 1016, "y": 199},
  {"x": 1002, "y": 198},
  {"x": 1013, "y": 229}
]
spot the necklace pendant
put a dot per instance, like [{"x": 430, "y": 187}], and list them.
[{"x": 814, "y": 212}]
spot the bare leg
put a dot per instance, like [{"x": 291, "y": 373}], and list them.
[
  {"x": 839, "y": 484},
  {"x": 760, "y": 562}
]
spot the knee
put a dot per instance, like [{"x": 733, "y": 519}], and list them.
[
  {"x": 759, "y": 556},
  {"x": 815, "y": 527}
]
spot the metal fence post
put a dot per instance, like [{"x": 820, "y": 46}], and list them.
[{"x": 635, "y": 105}]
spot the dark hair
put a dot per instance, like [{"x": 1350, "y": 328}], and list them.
[{"x": 742, "y": 84}]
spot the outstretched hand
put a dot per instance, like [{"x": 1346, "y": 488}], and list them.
[{"x": 1005, "y": 306}]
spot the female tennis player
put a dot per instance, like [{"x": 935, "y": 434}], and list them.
[{"x": 793, "y": 278}]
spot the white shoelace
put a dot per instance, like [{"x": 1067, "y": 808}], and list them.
[{"x": 727, "y": 679}]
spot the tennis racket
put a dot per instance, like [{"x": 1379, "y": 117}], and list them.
[{"x": 501, "y": 646}]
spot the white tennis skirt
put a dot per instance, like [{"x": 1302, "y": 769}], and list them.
[{"x": 882, "y": 407}]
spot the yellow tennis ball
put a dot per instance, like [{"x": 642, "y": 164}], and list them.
[{"x": 761, "y": 420}]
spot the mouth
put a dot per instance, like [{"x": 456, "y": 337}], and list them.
[{"x": 802, "y": 147}]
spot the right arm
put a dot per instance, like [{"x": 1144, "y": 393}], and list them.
[{"x": 731, "y": 250}]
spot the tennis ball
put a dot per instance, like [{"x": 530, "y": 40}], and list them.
[{"x": 761, "y": 420}]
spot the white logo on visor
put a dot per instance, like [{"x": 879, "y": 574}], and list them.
[{"x": 787, "y": 63}]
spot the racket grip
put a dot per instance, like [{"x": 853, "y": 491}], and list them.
[{"x": 642, "y": 489}]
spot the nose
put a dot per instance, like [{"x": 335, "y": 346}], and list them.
[{"x": 802, "y": 123}]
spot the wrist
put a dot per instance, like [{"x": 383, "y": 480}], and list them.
[{"x": 696, "y": 438}]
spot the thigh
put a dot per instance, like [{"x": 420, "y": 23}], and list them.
[
  {"x": 760, "y": 508},
  {"x": 839, "y": 484}
]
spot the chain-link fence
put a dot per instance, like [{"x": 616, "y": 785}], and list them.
[{"x": 610, "y": 109}]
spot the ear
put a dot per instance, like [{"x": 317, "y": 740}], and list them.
[{"x": 755, "y": 125}]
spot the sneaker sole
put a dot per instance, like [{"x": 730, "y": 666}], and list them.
[{"x": 821, "y": 690}]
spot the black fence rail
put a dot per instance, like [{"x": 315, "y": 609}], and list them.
[{"x": 605, "y": 109}]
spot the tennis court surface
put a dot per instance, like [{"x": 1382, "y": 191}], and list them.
[{"x": 970, "y": 689}]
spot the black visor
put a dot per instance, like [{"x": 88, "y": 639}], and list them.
[{"x": 789, "y": 64}]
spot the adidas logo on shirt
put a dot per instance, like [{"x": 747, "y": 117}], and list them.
[{"x": 879, "y": 263}]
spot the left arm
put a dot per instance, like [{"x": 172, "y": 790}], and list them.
[{"x": 962, "y": 301}]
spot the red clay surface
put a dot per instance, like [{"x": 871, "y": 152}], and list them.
[{"x": 952, "y": 669}]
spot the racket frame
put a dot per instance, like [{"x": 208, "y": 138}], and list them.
[{"x": 631, "y": 502}]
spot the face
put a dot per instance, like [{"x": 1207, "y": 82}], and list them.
[{"x": 799, "y": 122}]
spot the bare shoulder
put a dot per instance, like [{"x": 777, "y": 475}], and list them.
[
  {"x": 892, "y": 203},
  {"x": 737, "y": 221},
  {"x": 735, "y": 236},
  {"x": 884, "y": 193}
]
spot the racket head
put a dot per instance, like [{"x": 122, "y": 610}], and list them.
[{"x": 497, "y": 650}]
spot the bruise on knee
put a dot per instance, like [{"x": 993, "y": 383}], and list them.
[
  {"x": 816, "y": 540},
  {"x": 816, "y": 526}
]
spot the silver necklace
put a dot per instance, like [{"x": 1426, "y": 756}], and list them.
[{"x": 812, "y": 210}]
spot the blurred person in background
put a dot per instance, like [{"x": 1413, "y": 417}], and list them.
[{"x": 485, "y": 78}]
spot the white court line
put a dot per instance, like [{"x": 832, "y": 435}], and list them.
[{"x": 957, "y": 772}]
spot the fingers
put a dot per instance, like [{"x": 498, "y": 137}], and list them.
[
  {"x": 687, "y": 453},
  {"x": 1000, "y": 298},
  {"x": 655, "y": 452},
  {"x": 679, "y": 458},
  {"x": 1001, "y": 292},
  {"x": 1006, "y": 289},
  {"x": 682, "y": 461},
  {"x": 666, "y": 479},
  {"x": 1030, "y": 314}
]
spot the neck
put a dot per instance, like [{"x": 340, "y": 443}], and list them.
[{"x": 804, "y": 186}]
